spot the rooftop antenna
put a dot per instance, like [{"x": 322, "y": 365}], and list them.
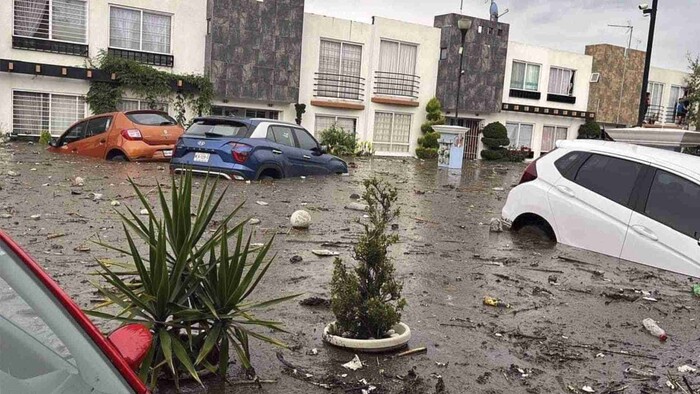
[
  {"x": 461, "y": 6},
  {"x": 630, "y": 30},
  {"x": 493, "y": 11}
]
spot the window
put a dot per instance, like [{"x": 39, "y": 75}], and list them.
[
  {"x": 282, "y": 135},
  {"x": 443, "y": 53},
  {"x": 339, "y": 68},
  {"x": 217, "y": 128},
  {"x": 136, "y": 105},
  {"x": 520, "y": 134},
  {"x": 675, "y": 202},
  {"x": 98, "y": 126},
  {"x": 656, "y": 90},
  {"x": 60, "y": 20},
  {"x": 75, "y": 133},
  {"x": 550, "y": 136},
  {"x": 139, "y": 30},
  {"x": 610, "y": 177},
  {"x": 326, "y": 122},
  {"x": 561, "y": 81},
  {"x": 566, "y": 163},
  {"x": 525, "y": 76},
  {"x": 397, "y": 69},
  {"x": 34, "y": 112},
  {"x": 306, "y": 141},
  {"x": 261, "y": 113},
  {"x": 392, "y": 132},
  {"x": 151, "y": 119}
]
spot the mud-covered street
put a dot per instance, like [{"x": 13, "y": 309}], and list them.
[{"x": 575, "y": 321}]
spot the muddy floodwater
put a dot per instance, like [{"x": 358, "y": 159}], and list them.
[{"x": 575, "y": 321}]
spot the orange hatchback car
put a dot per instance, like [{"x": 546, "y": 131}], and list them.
[{"x": 122, "y": 136}]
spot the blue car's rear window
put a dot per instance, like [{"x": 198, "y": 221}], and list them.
[{"x": 217, "y": 128}]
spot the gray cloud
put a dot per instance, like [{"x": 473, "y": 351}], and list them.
[{"x": 562, "y": 24}]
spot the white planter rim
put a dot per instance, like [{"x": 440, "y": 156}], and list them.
[{"x": 370, "y": 345}]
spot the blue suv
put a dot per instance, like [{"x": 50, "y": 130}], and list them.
[{"x": 250, "y": 149}]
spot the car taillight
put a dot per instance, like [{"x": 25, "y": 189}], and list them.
[
  {"x": 132, "y": 134},
  {"x": 530, "y": 173},
  {"x": 240, "y": 152}
]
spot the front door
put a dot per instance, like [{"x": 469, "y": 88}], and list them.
[
  {"x": 314, "y": 161},
  {"x": 290, "y": 157},
  {"x": 592, "y": 206},
  {"x": 665, "y": 231},
  {"x": 70, "y": 140}
]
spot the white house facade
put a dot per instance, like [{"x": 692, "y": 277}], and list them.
[
  {"x": 57, "y": 38},
  {"x": 545, "y": 96},
  {"x": 373, "y": 80},
  {"x": 665, "y": 88}
]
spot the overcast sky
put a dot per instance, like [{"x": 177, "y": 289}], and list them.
[{"x": 561, "y": 24}]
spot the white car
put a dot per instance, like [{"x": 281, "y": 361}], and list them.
[{"x": 627, "y": 201}]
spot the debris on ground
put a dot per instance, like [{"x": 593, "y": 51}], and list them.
[
  {"x": 76, "y": 192},
  {"x": 696, "y": 290},
  {"x": 78, "y": 181},
  {"x": 587, "y": 389},
  {"x": 115, "y": 203},
  {"x": 35, "y": 217},
  {"x": 254, "y": 221},
  {"x": 296, "y": 259},
  {"x": 144, "y": 212},
  {"x": 315, "y": 301},
  {"x": 495, "y": 302},
  {"x": 312, "y": 352},
  {"x": 82, "y": 248},
  {"x": 686, "y": 369},
  {"x": 95, "y": 196},
  {"x": 300, "y": 220},
  {"x": 411, "y": 352},
  {"x": 355, "y": 206},
  {"x": 639, "y": 374},
  {"x": 262, "y": 203},
  {"x": 552, "y": 279},
  {"x": 653, "y": 328},
  {"x": 354, "y": 196},
  {"x": 353, "y": 364},
  {"x": 12, "y": 173},
  {"x": 498, "y": 189},
  {"x": 324, "y": 253},
  {"x": 496, "y": 226}
]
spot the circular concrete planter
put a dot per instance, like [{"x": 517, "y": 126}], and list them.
[{"x": 397, "y": 341}]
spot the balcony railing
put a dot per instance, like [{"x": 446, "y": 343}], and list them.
[
  {"x": 339, "y": 86},
  {"x": 43, "y": 45},
  {"x": 154, "y": 59},
  {"x": 660, "y": 114},
  {"x": 396, "y": 84}
]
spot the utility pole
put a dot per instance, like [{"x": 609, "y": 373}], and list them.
[
  {"x": 630, "y": 31},
  {"x": 647, "y": 62}
]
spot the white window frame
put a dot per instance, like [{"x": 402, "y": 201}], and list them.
[
  {"x": 335, "y": 121},
  {"x": 556, "y": 128},
  {"x": 86, "y": 111},
  {"x": 520, "y": 125},
  {"x": 527, "y": 65},
  {"x": 391, "y": 143},
  {"x": 142, "y": 11},
  {"x": 570, "y": 91},
  {"x": 328, "y": 92},
  {"x": 143, "y": 106},
  {"x": 650, "y": 90},
  {"x": 87, "y": 23}
]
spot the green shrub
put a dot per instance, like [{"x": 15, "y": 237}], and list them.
[
  {"x": 187, "y": 285},
  {"x": 44, "y": 137},
  {"x": 366, "y": 300},
  {"x": 434, "y": 110},
  {"x": 495, "y": 140},
  {"x": 338, "y": 141},
  {"x": 515, "y": 156},
  {"x": 430, "y": 140},
  {"x": 364, "y": 148},
  {"x": 426, "y": 153},
  {"x": 589, "y": 130}
]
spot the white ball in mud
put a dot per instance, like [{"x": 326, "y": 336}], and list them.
[{"x": 300, "y": 219}]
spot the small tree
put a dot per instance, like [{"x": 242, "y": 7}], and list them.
[
  {"x": 495, "y": 140},
  {"x": 693, "y": 92},
  {"x": 589, "y": 131},
  {"x": 300, "y": 110},
  {"x": 428, "y": 144},
  {"x": 366, "y": 300},
  {"x": 44, "y": 137}
]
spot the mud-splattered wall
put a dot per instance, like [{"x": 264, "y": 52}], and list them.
[
  {"x": 486, "y": 47},
  {"x": 254, "y": 49}
]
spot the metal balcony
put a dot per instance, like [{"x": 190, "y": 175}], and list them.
[
  {"x": 339, "y": 86},
  {"x": 396, "y": 84}
]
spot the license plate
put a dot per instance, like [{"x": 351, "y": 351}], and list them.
[
  {"x": 201, "y": 157},
  {"x": 167, "y": 153}
]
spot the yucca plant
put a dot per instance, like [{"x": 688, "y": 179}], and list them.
[{"x": 191, "y": 290}]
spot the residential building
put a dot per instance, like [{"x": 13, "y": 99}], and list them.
[
  {"x": 373, "y": 80},
  {"x": 616, "y": 84},
  {"x": 545, "y": 96},
  {"x": 46, "y": 46},
  {"x": 253, "y": 56}
]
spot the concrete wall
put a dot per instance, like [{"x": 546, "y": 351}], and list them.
[
  {"x": 615, "y": 97},
  {"x": 484, "y": 64},
  {"x": 369, "y": 36},
  {"x": 188, "y": 33}
]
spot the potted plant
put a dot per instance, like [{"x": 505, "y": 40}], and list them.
[{"x": 366, "y": 300}]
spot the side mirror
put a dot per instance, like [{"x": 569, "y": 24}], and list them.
[
  {"x": 323, "y": 149},
  {"x": 54, "y": 143},
  {"x": 133, "y": 342}
]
